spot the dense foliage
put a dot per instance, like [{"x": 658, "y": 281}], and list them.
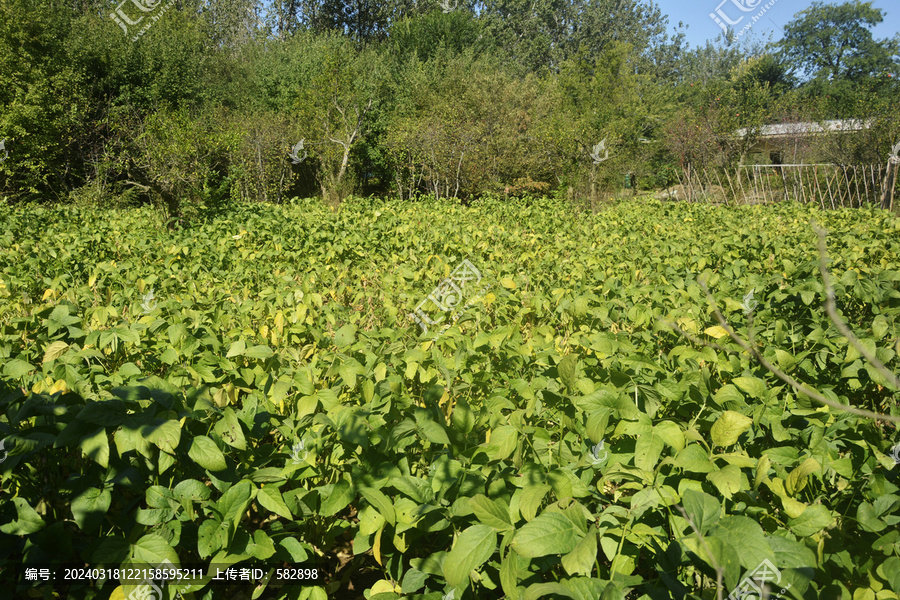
[
  {"x": 199, "y": 102},
  {"x": 251, "y": 390}
]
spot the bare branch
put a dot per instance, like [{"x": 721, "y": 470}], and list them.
[
  {"x": 839, "y": 323},
  {"x": 799, "y": 387}
]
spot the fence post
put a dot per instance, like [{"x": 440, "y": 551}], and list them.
[{"x": 890, "y": 179}]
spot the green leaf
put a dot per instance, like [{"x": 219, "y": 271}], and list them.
[
  {"x": 236, "y": 349},
  {"x": 262, "y": 547},
  {"x": 532, "y": 497},
  {"x": 891, "y": 570},
  {"x": 230, "y": 429},
  {"x": 108, "y": 413},
  {"x": 583, "y": 558},
  {"x": 752, "y": 542},
  {"x": 868, "y": 519},
  {"x": 879, "y": 329},
  {"x": 234, "y": 502},
  {"x": 729, "y": 427},
  {"x": 434, "y": 433},
  {"x": 261, "y": 352},
  {"x": 540, "y": 590},
  {"x": 345, "y": 336},
  {"x": 212, "y": 535},
  {"x": 671, "y": 434},
  {"x": 753, "y": 386},
  {"x": 473, "y": 547},
  {"x": 336, "y": 497},
  {"x": 294, "y": 549},
  {"x": 727, "y": 480},
  {"x": 568, "y": 368},
  {"x": 647, "y": 450},
  {"x": 16, "y": 368},
  {"x": 728, "y": 394},
  {"x": 169, "y": 356},
  {"x": 191, "y": 490},
  {"x": 380, "y": 502},
  {"x": 166, "y": 435},
  {"x": 205, "y": 453},
  {"x": 89, "y": 508},
  {"x": 703, "y": 509},
  {"x": 509, "y": 575},
  {"x": 798, "y": 478},
  {"x": 695, "y": 459},
  {"x": 154, "y": 549},
  {"x": 505, "y": 439},
  {"x": 549, "y": 533},
  {"x": 270, "y": 499},
  {"x": 491, "y": 512},
  {"x": 462, "y": 418},
  {"x": 27, "y": 521},
  {"x": 96, "y": 447},
  {"x": 813, "y": 520}
]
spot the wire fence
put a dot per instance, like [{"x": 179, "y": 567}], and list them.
[{"x": 829, "y": 185}]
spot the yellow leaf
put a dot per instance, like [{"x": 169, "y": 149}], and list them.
[
  {"x": 279, "y": 321},
  {"x": 376, "y": 545},
  {"x": 382, "y": 586},
  {"x": 47, "y": 294},
  {"x": 59, "y": 386},
  {"x": 264, "y": 331},
  {"x": 118, "y": 594},
  {"x": 508, "y": 283},
  {"x": 687, "y": 324},
  {"x": 716, "y": 332},
  {"x": 54, "y": 351},
  {"x": 489, "y": 298}
]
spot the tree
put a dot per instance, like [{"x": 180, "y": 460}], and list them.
[
  {"x": 340, "y": 88},
  {"x": 833, "y": 42},
  {"x": 543, "y": 33}
]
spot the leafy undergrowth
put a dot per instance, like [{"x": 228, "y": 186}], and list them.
[{"x": 252, "y": 391}]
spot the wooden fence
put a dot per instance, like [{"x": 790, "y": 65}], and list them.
[{"x": 830, "y": 186}]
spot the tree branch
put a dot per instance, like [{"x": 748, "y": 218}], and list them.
[{"x": 799, "y": 387}]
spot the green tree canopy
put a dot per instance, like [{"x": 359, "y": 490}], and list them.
[{"x": 835, "y": 42}]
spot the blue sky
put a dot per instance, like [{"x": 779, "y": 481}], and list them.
[{"x": 695, "y": 14}]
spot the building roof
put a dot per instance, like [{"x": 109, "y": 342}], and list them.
[{"x": 800, "y": 129}]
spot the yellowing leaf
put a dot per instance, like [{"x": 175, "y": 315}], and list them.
[
  {"x": 47, "y": 294},
  {"x": 59, "y": 386},
  {"x": 382, "y": 586},
  {"x": 729, "y": 427},
  {"x": 508, "y": 283},
  {"x": 716, "y": 332},
  {"x": 54, "y": 351}
]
